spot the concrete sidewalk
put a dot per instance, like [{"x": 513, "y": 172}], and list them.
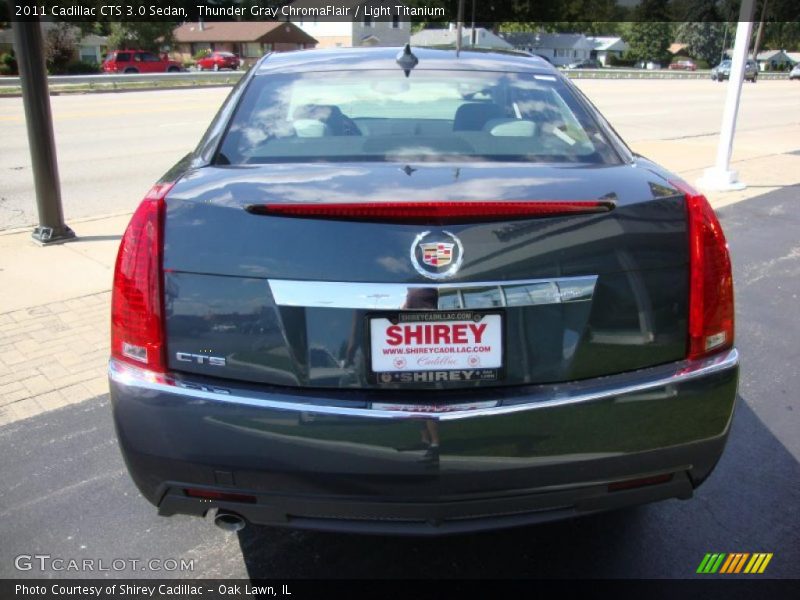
[
  {"x": 54, "y": 302},
  {"x": 54, "y": 318}
]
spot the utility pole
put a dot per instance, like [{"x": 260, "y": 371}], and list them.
[
  {"x": 459, "y": 26},
  {"x": 720, "y": 176},
  {"x": 38, "y": 118},
  {"x": 473, "y": 35},
  {"x": 759, "y": 35},
  {"x": 724, "y": 43}
]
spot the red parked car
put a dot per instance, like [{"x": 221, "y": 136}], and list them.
[
  {"x": 219, "y": 60},
  {"x": 683, "y": 65},
  {"x": 139, "y": 61}
]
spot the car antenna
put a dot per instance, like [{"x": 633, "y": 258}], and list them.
[{"x": 407, "y": 59}]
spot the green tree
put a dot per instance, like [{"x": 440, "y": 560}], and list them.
[
  {"x": 651, "y": 34},
  {"x": 142, "y": 35},
  {"x": 648, "y": 40},
  {"x": 703, "y": 40},
  {"x": 60, "y": 42},
  {"x": 586, "y": 27},
  {"x": 782, "y": 35},
  {"x": 417, "y": 24},
  {"x": 702, "y": 10}
]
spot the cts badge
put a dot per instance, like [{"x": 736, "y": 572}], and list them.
[
  {"x": 437, "y": 255},
  {"x": 201, "y": 359}
]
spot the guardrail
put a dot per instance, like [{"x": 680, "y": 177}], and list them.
[
  {"x": 654, "y": 74},
  {"x": 112, "y": 81},
  {"x": 201, "y": 78}
]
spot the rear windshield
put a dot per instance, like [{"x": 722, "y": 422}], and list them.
[{"x": 429, "y": 116}]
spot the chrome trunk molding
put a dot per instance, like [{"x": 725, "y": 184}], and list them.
[
  {"x": 431, "y": 296},
  {"x": 645, "y": 383}
]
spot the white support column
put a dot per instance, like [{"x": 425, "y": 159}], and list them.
[{"x": 720, "y": 177}]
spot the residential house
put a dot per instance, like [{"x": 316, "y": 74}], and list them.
[
  {"x": 92, "y": 48},
  {"x": 363, "y": 31},
  {"x": 773, "y": 60},
  {"x": 678, "y": 49},
  {"x": 770, "y": 60},
  {"x": 249, "y": 39},
  {"x": 447, "y": 37},
  {"x": 6, "y": 41},
  {"x": 560, "y": 49},
  {"x": 606, "y": 47},
  {"x": 89, "y": 48}
]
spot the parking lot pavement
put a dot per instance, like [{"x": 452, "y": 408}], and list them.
[{"x": 69, "y": 496}]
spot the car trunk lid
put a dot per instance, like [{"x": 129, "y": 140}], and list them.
[{"x": 296, "y": 301}]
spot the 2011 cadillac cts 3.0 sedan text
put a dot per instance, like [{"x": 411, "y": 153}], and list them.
[{"x": 418, "y": 292}]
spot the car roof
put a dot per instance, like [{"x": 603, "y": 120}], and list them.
[{"x": 339, "y": 59}]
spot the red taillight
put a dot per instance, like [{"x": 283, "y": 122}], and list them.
[
  {"x": 137, "y": 325},
  {"x": 432, "y": 212},
  {"x": 710, "y": 279}
]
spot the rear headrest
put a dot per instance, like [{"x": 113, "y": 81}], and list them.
[
  {"x": 320, "y": 112},
  {"x": 474, "y": 115},
  {"x": 510, "y": 128},
  {"x": 310, "y": 128},
  {"x": 329, "y": 114}
]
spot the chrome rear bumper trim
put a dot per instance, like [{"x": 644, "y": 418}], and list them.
[
  {"x": 431, "y": 296},
  {"x": 544, "y": 396}
]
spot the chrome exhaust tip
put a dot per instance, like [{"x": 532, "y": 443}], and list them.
[{"x": 229, "y": 521}]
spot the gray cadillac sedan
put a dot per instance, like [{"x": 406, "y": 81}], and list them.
[{"x": 418, "y": 292}]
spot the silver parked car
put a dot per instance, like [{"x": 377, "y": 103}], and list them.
[
  {"x": 723, "y": 71},
  {"x": 795, "y": 72}
]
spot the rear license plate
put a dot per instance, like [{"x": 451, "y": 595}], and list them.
[{"x": 428, "y": 347}]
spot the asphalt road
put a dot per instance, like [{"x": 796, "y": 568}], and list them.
[
  {"x": 66, "y": 493},
  {"x": 113, "y": 146}
]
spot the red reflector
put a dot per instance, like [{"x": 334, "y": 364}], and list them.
[
  {"x": 637, "y": 483},
  {"x": 711, "y": 314},
  {"x": 137, "y": 328},
  {"x": 224, "y": 496},
  {"x": 432, "y": 212}
]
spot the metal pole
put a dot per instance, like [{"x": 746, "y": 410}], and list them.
[
  {"x": 473, "y": 35},
  {"x": 760, "y": 31},
  {"x": 459, "y": 26},
  {"x": 724, "y": 43},
  {"x": 36, "y": 100},
  {"x": 720, "y": 177}
]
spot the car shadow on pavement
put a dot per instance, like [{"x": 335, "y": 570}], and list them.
[{"x": 747, "y": 505}]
